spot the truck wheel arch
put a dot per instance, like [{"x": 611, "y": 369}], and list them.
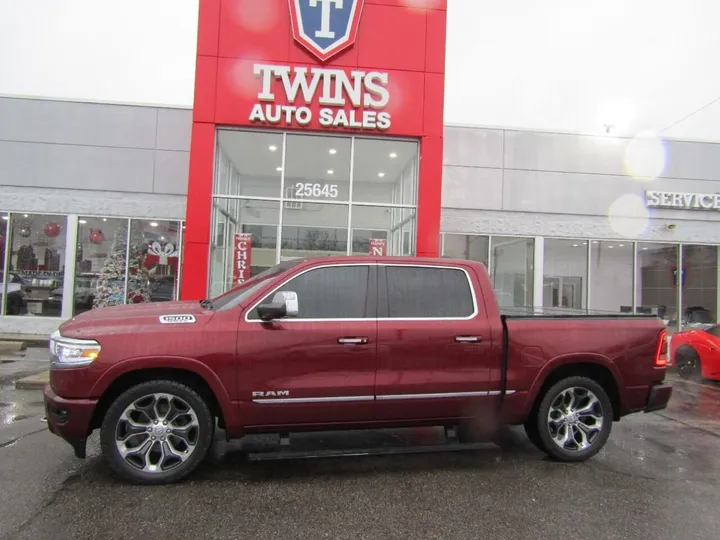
[
  {"x": 133, "y": 371},
  {"x": 593, "y": 366}
]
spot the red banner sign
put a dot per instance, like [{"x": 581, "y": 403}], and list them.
[
  {"x": 241, "y": 258},
  {"x": 378, "y": 247}
]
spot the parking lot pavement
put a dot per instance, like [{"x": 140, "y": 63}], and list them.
[{"x": 658, "y": 478}]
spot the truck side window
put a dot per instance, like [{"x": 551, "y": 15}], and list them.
[
  {"x": 332, "y": 292},
  {"x": 417, "y": 292}
]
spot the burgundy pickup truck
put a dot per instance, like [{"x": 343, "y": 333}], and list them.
[{"x": 345, "y": 343}]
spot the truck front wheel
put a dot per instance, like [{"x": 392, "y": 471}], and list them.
[
  {"x": 157, "y": 432},
  {"x": 574, "y": 419}
]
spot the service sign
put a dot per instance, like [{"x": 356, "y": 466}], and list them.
[{"x": 682, "y": 201}]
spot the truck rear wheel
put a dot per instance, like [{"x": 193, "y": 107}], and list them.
[
  {"x": 157, "y": 432},
  {"x": 574, "y": 419}
]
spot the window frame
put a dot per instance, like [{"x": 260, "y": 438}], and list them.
[
  {"x": 384, "y": 296},
  {"x": 371, "y": 303}
]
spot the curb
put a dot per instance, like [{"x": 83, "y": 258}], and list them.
[
  {"x": 12, "y": 346},
  {"x": 34, "y": 382}
]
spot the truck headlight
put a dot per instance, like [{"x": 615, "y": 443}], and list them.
[{"x": 68, "y": 352}]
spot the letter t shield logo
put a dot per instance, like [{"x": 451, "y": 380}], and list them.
[{"x": 325, "y": 27}]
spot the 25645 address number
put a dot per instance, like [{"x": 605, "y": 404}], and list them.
[{"x": 316, "y": 191}]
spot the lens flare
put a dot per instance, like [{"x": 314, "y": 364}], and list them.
[
  {"x": 421, "y": 4},
  {"x": 255, "y": 15},
  {"x": 628, "y": 216},
  {"x": 645, "y": 157}
]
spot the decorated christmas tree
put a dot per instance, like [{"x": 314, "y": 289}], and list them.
[{"x": 111, "y": 283}]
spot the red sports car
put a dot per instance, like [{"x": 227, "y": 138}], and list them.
[{"x": 696, "y": 353}]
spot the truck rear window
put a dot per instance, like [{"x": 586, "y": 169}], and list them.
[{"x": 429, "y": 292}]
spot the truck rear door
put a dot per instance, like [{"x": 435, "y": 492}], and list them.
[
  {"x": 435, "y": 351},
  {"x": 319, "y": 367}
]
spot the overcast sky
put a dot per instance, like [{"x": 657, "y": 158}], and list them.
[{"x": 564, "y": 65}]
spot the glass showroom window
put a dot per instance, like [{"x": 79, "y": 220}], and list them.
[
  {"x": 324, "y": 195},
  {"x": 100, "y": 267},
  {"x": 565, "y": 274},
  {"x": 249, "y": 164},
  {"x": 611, "y": 276},
  {"x": 385, "y": 172},
  {"x": 466, "y": 246},
  {"x": 657, "y": 282},
  {"x": 154, "y": 261},
  {"x": 36, "y": 261},
  {"x": 512, "y": 270},
  {"x": 699, "y": 280}
]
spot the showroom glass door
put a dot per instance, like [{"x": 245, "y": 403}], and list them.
[{"x": 282, "y": 196}]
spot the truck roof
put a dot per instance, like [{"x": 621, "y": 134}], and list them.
[{"x": 388, "y": 260}]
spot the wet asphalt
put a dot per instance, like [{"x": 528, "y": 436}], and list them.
[{"x": 658, "y": 477}]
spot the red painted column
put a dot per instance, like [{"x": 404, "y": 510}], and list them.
[
  {"x": 198, "y": 222},
  {"x": 429, "y": 195}
]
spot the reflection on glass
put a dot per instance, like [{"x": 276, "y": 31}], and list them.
[
  {"x": 385, "y": 171},
  {"x": 231, "y": 262},
  {"x": 317, "y": 168},
  {"x": 4, "y": 245},
  {"x": 248, "y": 163},
  {"x": 512, "y": 266},
  {"x": 100, "y": 264},
  {"x": 37, "y": 261},
  {"x": 372, "y": 231},
  {"x": 611, "y": 276},
  {"x": 466, "y": 246},
  {"x": 153, "y": 262},
  {"x": 699, "y": 282},
  {"x": 565, "y": 275},
  {"x": 314, "y": 230},
  {"x": 658, "y": 280}
]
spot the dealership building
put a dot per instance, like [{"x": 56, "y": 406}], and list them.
[{"x": 319, "y": 136}]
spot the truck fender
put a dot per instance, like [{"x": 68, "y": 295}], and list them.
[
  {"x": 567, "y": 359},
  {"x": 142, "y": 363}
]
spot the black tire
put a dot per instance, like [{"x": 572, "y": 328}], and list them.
[
  {"x": 533, "y": 433},
  {"x": 597, "y": 439},
  {"x": 687, "y": 363},
  {"x": 203, "y": 433}
]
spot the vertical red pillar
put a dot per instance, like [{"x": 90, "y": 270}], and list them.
[{"x": 202, "y": 157}]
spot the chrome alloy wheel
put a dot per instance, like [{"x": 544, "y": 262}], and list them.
[
  {"x": 575, "y": 419},
  {"x": 157, "y": 433}
]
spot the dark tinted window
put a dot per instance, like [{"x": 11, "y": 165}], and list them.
[
  {"x": 335, "y": 292},
  {"x": 714, "y": 331},
  {"x": 428, "y": 292}
]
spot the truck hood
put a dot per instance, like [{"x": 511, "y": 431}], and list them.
[{"x": 136, "y": 318}]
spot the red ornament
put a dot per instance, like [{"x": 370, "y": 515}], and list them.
[
  {"x": 96, "y": 236},
  {"x": 51, "y": 229}
]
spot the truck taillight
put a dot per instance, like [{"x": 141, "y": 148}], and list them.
[{"x": 661, "y": 356}]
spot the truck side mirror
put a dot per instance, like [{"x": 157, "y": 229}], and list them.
[{"x": 284, "y": 304}]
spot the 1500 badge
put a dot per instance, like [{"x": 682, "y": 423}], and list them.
[{"x": 177, "y": 319}]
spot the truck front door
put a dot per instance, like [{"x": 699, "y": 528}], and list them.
[
  {"x": 318, "y": 367},
  {"x": 435, "y": 351}
]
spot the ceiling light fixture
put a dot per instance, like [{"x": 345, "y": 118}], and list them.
[
  {"x": 25, "y": 215},
  {"x": 6, "y": 218},
  {"x": 82, "y": 222},
  {"x": 575, "y": 245},
  {"x": 332, "y": 151},
  {"x": 381, "y": 174},
  {"x": 279, "y": 169},
  {"x": 330, "y": 171},
  {"x": 104, "y": 219},
  {"x": 393, "y": 155},
  {"x": 153, "y": 224},
  {"x": 610, "y": 247},
  {"x": 272, "y": 148}
]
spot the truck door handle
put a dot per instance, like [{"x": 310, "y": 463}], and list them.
[
  {"x": 352, "y": 340},
  {"x": 468, "y": 339}
]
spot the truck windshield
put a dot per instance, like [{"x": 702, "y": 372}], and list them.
[{"x": 238, "y": 295}]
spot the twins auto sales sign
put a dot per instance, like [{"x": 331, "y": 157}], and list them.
[{"x": 325, "y": 88}]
